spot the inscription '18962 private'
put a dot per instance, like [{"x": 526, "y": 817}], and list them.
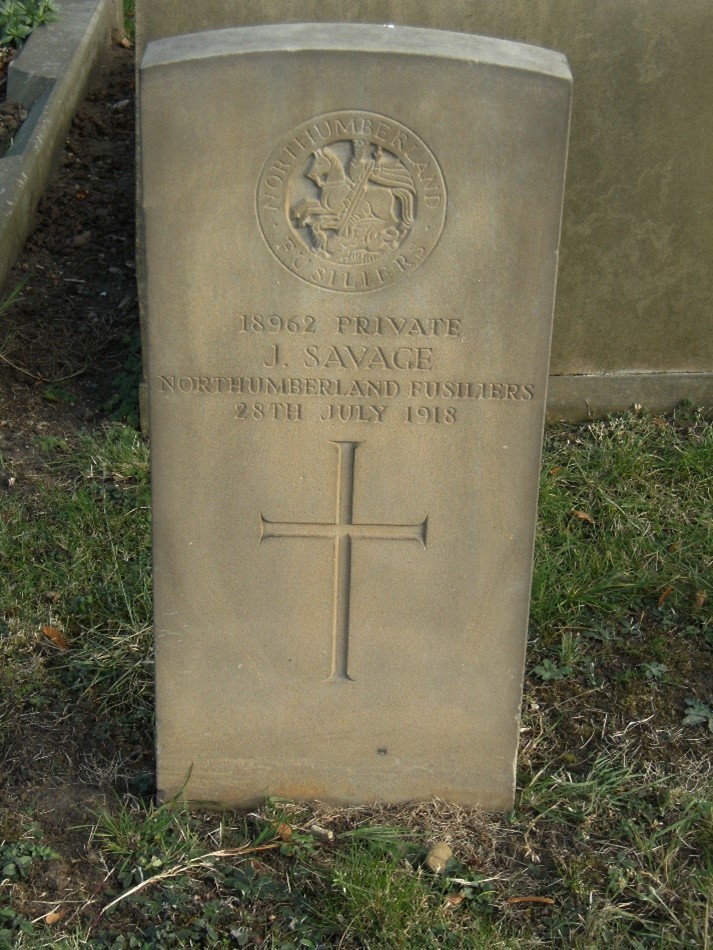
[{"x": 351, "y": 201}]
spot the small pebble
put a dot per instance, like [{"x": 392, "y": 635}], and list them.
[{"x": 438, "y": 857}]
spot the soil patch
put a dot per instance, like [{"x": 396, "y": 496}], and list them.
[
  {"x": 71, "y": 321},
  {"x": 12, "y": 115}
]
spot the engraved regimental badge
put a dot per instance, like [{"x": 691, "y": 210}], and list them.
[{"x": 351, "y": 201}]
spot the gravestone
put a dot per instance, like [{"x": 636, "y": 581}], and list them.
[
  {"x": 351, "y": 247},
  {"x": 635, "y": 288}
]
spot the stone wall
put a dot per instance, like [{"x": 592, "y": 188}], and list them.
[{"x": 634, "y": 314}]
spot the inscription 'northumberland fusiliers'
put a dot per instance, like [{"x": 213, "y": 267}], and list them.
[{"x": 351, "y": 201}]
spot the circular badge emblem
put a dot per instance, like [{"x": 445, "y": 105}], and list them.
[{"x": 351, "y": 201}]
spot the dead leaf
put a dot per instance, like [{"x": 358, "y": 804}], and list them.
[
  {"x": 55, "y": 916},
  {"x": 454, "y": 900},
  {"x": 126, "y": 42},
  {"x": 284, "y": 831},
  {"x": 52, "y": 596},
  {"x": 701, "y": 600},
  {"x": 583, "y": 516},
  {"x": 555, "y": 471},
  {"x": 53, "y": 634},
  {"x": 665, "y": 596},
  {"x": 530, "y": 900}
]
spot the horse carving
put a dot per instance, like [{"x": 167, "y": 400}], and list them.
[{"x": 364, "y": 209}]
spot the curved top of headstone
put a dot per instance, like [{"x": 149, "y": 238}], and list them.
[{"x": 337, "y": 36}]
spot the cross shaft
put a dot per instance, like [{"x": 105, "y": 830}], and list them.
[{"x": 343, "y": 530}]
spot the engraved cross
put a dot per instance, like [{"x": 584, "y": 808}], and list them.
[{"x": 343, "y": 530}]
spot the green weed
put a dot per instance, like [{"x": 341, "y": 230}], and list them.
[
  {"x": 18, "y": 18},
  {"x": 19, "y": 861},
  {"x": 123, "y": 404},
  {"x": 18, "y": 857},
  {"x": 547, "y": 670},
  {"x": 129, "y": 6},
  {"x": 698, "y": 714}
]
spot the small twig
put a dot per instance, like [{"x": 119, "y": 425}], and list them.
[
  {"x": 580, "y": 696},
  {"x": 464, "y": 883},
  {"x": 201, "y": 861},
  {"x": 19, "y": 369},
  {"x": 529, "y": 900},
  {"x": 62, "y": 379},
  {"x": 43, "y": 379},
  {"x": 89, "y": 901}
]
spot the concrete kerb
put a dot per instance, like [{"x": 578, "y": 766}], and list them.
[
  {"x": 49, "y": 78},
  {"x": 579, "y": 398}
]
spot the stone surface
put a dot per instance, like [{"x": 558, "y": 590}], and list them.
[
  {"x": 50, "y": 76},
  {"x": 51, "y": 51},
  {"x": 635, "y": 291},
  {"x": 577, "y": 398},
  {"x": 351, "y": 254}
]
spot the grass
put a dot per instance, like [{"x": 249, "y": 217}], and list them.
[
  {"x": 611, "y": 840},
  {"x": 614, "y": 525},
  {"x": 129, "y": 18}
]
